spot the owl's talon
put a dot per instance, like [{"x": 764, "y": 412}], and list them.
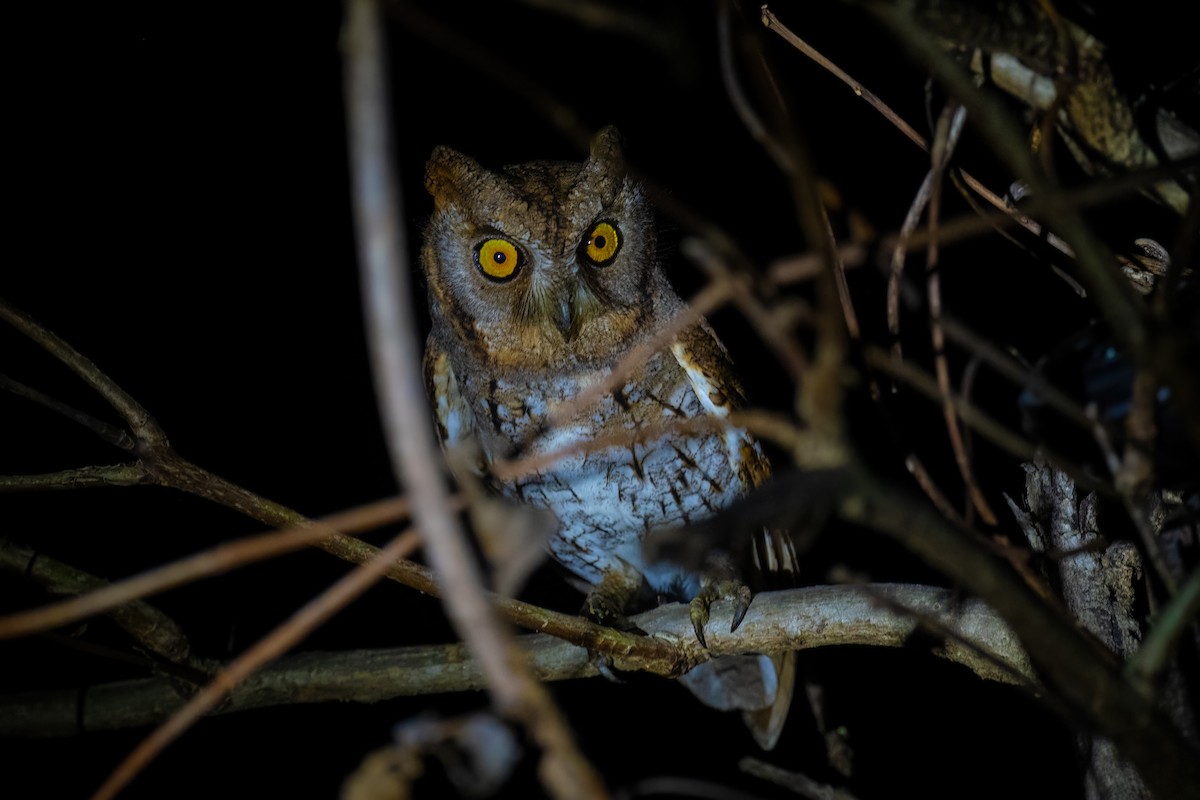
[
  {"x": 701, "y": 604},
  {"x": 741, "y": 604},
  {"x": 699, "y": 613}
]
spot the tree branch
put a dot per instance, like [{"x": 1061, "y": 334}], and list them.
[{"x": 817, "y": 616}]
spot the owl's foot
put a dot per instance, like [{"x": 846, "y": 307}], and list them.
[
  {"x": 605, "y": 605},
  {"x": 608, "y": 600},
  {"x": 722, "y": 589}
]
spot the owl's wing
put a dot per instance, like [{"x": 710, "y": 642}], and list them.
[
  {"x": 455, "y": 422},
  {"x": 710, "y": 372},
  {"x": 774, "y": 564}
]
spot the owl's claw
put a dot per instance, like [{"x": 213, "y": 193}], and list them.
[
  {"x": 699, "y": 614},
  {"x": 701, "y": 604},
  {"x": 741, "y": 604}
]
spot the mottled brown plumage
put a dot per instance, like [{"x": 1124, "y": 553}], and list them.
[{"x": 541, "y": 277}]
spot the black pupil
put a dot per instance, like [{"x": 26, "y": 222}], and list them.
[
  {"x": 599, "y": 242},
  {"x": 499, "y": 257}
]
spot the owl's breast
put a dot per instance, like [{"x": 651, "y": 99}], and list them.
[{"x": 610, "y": 477}]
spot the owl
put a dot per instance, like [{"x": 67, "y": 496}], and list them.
[{"x": 541, "y": 277}]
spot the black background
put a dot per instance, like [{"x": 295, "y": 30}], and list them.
[{"x": 177, "y": 196}]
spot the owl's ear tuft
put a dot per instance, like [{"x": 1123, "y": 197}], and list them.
[
  {"x": 607, "y": 144},
  {"x": 448, "y": 173},
  {"x": 605, "y": 167}
]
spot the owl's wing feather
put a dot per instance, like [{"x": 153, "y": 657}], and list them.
[
  {"x": 455, "y": 421},
  {"x": 773, "y": 556},
  {"x": 709, "y": 371}
]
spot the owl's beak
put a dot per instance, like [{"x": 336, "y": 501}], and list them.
[{"x": 566, "y": 316}]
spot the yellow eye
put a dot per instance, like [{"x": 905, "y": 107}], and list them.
[
  {"x": 602, "y": 243},
  {"x": 498, "y": 259}
]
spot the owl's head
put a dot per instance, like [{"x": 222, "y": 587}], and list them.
[{"x": 543, "y": 263}]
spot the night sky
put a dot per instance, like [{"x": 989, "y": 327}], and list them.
[{"x": 179, "y": 202}]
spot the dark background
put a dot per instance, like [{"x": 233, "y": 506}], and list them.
[{"x": 178, "y": 209}]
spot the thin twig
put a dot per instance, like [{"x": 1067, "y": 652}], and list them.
[
  {"x": 983, "y": 424},
  {"x": 1147, "y": 664},
  {"x": 900, "y": 250},
  {"x": 715, "y": 294},
  {"x": 270, "y": 647},
  {"x": 1010, "y": 368},
  {"x": 495, "y": 70},
  {"x": 949, "y": 128},
  {"x": 764, "y": 425},
  {"x": 1070, "y": 663},
  {"x": 758, "y": 131},
  {"x": 103, "y": 596},
  {"x": 109, "y": 433},
  {"x": 930, "y": 487},
  {"x": 808, "y": 266},
  {"x": 771, "y": 22},
  {"x": 140, "y": 423},
  {"x": 152, "y": 628},
  {"x": 820, "y": 390},
  {"x": 766, "y": 325},
  {"x": 135, "y": 474},
  {"x": 1162, "y": 351},
  {"x": 624, "y": 22}
]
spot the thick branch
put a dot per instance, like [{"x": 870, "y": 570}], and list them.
[{"x": 817, "y": 616}]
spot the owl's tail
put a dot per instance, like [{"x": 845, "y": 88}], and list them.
[
  {"x": 757, "y": 685},
  {"x": 760, "y": 686},
  {"x": 774, "y": 566}
]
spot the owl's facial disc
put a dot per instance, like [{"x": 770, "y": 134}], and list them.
[{"x": 579, "y": 298}]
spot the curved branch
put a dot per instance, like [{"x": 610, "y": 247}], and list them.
[
  {"x": 109, "y": 433},
  {"x": 139, "y": 421}
]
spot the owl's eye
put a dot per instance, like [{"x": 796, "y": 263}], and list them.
[
  {"x": 498, "y": 259},
  {"x": 602, "y": 244}
]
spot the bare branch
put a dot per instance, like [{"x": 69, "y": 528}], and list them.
[
  {"x": 949, "y": 128},
  {"x": 812, "y": 617},
  {"x": 113, "y": 435},
  {"x": 135, "y": 474},
  {"x": 279, "y": 641},
  {"x": 140, "y": 423},
  {"x": 1162, "y": 351},
  {"x": 153, "y": 629},
  {"x": 100, "y": 596},
  {"x": 1073, "y": 665}
]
